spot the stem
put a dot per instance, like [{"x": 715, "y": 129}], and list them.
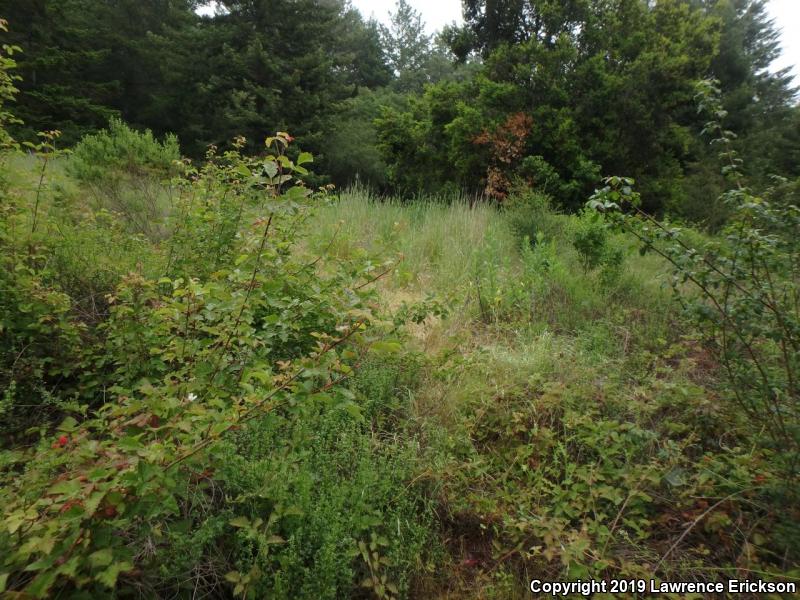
[{"x": 39, "y": 192}]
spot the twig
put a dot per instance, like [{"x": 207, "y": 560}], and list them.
[{"x": 694, "y": 523}]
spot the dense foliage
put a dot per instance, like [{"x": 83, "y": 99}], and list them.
[
  {"x": 162, "y": 402},
  {"x": 607, "y": 87},
  {"x": 214, "y": 382}
]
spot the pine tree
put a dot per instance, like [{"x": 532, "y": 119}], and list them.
[{"x": 408, "y": 47}]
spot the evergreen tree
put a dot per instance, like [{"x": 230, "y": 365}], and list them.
[
  {"x": 759, "y": 99},
  {"x": 408, "y": 47}
]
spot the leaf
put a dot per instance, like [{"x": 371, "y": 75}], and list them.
[
  {"x": 352, "y": 409},
  {"x": 675, "y": 477},
  {"x": 69, "y": 424},
  {"x": 14, "y": 522},
  {"x": 66, "y": 488},
  {"x": 240, "y": 522},
  {"x": 40, "y": 565},
  {"x": 41, "y": 585},
  {"x": 297, "y": 193},
  {"x": 387, "y": 347},
  {"x": 109, "y": 577},
  {"x": 305, "y": 157},
  {"x": 101, "y": 558},
  {"x": 270, "y": 168}
]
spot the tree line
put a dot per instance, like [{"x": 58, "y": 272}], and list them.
[{"x": 548, "y": 93}]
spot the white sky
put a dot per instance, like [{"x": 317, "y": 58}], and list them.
[
  {"x": 435, "y": 13},
  {"x": 787, "y": 17}
]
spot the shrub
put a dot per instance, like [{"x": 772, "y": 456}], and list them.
[
  {"x": 205, "y": 433},
  {"x": 740, "y": 296},
  {"x": 744, "y": 290},
  {"x": 8, "y": 90},
  {"x": 125, "y": 171},
  {"x": 120, "y": 150},
  {"x": 528, "y": 213}
]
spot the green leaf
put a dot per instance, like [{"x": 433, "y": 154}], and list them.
[
  {"x": 305, "y": 157},
  {"x": 297, "y": 193},
  {"x": 352, "y": 409},
  {"x": 40, "y": 586},
  {"x": 69, "y": 424},
  {"x": 387, "y": 347},
  {"x": 109, "y": 577},
  {"x": 240, "y": 522},
  {"x": 101, "y": 558},
  {"x": 270, "y": 168},
  {"x": 66, "y": 488}
]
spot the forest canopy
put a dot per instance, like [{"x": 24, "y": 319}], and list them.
[{"x": 606, "y": 87}]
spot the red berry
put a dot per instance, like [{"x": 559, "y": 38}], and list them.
[{"x": 63, "y": 440}]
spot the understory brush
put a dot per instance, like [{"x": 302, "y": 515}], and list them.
[
  {"x": 216, "y": 382},
  {"x": 181, "y": 418},
  {"x": 573, "y": 422},
  {"x": 125, "y": 171}
]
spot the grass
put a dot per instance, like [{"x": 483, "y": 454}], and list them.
[
  {"x": 570, "y": 424},
  {"x": 439, "y": 241},
  {"x": 560, "y": 421}
]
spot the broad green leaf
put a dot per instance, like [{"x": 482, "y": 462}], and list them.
[
  {"x": 109, "y": 577},
  {"x": 387, "y": 347},
  {"x": 270, "y": 168},
  {"x": 66, "y": 488},
  {"x": 101, "y": 558},
  {"x": 240, "y": 522}
]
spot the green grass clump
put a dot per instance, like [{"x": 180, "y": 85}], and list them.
[
  {"x": 569, "y": 417},
  {"x": 438, "y": 240}
]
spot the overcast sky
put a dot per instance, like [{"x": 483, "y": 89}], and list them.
[
  {"x": 435, "y": 13},
  {"x": 438, "y": 13},
  {"x": 787, "y": 17}
]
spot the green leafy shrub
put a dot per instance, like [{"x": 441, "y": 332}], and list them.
[
  {"x": 743, "y": 289},
  {"x": 595, "y": 247},
  {"x": 337, "y": 490},
  {"x": 528, "y": 213},
  {"x": 739, "y": 295},
  {"x": 8, "y": 90},
  {"x": 125, "y": 171},
  {"x": 188, "y": 447},
  {"x": 121, "y": 150}
]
